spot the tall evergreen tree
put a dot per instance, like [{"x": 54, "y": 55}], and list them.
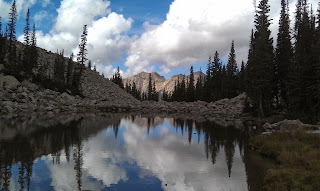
[
  {"x": 27, "y": 29},
  {"x": 117, "y": 78},
  {"x": 150, "y": 88},
  {"x": 207, "y": 82},
  {"x": 216, "y": 78},
  {"x": 154, "y": 92},
  {"x": 302, "y": 84},
  {"x": 70, "y": 67},
  {"x": 82, "y": 55},
  {"x": 191, "y": 89},
  {"x": 89, "y": 65},
  {"x": 27, "y": 65},
  {"x": 12, "y": 67},
  {"x": 231, "y": 73},
  {"x": 260, "y": 62},
  {"x": 232, "y": 63},
  {"x": 242, "y": 78},
  {"x": 33, "y": 49},
  {"x": 2, "y": 44},
  {"x": 283, "y": 56}
]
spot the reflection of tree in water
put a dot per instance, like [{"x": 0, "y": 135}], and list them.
[
  {"x": 45, "y": 140},
  {"x": 216, "y": 137},
  {"x": 78, "y": 160},
  {"x": 115, "y": 127}
]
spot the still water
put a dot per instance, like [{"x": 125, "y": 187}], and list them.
[{"x": 126, "y": 153}]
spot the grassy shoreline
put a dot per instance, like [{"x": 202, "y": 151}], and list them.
[{"x": 297, "y": 156}]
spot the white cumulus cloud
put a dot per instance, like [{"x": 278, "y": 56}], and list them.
[
  {"x": 107, "y": 40},
  {"x": 21, "y": 5},
  {"x": 194, "y": 30}
]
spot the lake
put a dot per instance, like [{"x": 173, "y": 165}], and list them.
[{"x": 114, "y": 152}]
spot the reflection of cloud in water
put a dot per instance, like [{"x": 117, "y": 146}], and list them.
[
  {"x": 64, "y": 177},
  {"x": 101, "y": 156},
  {"x": 165, "y": 155},
  {"x": 179, "y": 166}
]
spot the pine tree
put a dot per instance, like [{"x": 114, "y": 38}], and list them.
[
  {"x": 224, "y": 78},
  {"x": 182, "y": 89},
  {"x": 70, "y": 67},
  {"x": 303, "y": 70},
  {"x": 89, "y": 65},
  {"x": 27, "y": 64},
  {"x": 190, "y": 88},
  {"x": 27, "y": 30},
  {"x": 33, "y": 49},
  {"x": 199, "y": 87},
  {"x": 117, "y": 78},
  {"x": 231, "y": 73},
  {"x": 242, "y": 78},
  {"x": 12, "y": 67},
  {"x": 207, "y": 82},
  {"x": 216, "y": 78},
  {"x": 154, "y": 92},
  {"x": 2, "y": 44},
  {"x": 283, "y": 56},
  {"x": 260, "y": 62},
  {"x": 150, "y": 88},
  {"x": 82, "y": 55},
  {"x": 232, "y": 63}
]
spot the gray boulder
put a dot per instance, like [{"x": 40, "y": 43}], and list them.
[
  {"x": 286, "y": 125},
  {"x": 9, "y": 82}
]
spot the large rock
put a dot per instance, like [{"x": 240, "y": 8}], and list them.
[
  {"x": 286, "y": 125},
  {"x": 9, "y": 82}
]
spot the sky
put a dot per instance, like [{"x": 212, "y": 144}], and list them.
[{"x": 164, "y": 36}]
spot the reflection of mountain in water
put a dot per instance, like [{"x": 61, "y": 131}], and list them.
[{"x": 23, "y": 142}]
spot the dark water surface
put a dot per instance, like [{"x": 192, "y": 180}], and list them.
[{"x": 126, "y": 153}]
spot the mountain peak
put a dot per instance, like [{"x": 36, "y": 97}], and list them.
[{"x": 142, "y": 81}]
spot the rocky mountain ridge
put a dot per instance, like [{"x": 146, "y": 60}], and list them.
[{"x": 142, "y": 81}]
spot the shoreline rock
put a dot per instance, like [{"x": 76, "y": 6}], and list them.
[{"x": 286, "y": 126}]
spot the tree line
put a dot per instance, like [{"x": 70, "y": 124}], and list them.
[
  {"x": 220, "y": 81},
  {"x": 282, "y": 78},
  {"x": 23, "y": 63},
  {"x": 287, "y": 77}
]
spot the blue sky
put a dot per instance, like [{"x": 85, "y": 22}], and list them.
[{"x": 166, "y": 36}]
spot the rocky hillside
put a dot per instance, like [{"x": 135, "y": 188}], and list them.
[
  {"x": 101, "y": 95},
  {"x": 142, "y": 81},
  {"x": 93, "y": 85}
]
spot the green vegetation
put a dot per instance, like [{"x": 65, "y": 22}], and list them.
[{"x": 297, "y": 155}]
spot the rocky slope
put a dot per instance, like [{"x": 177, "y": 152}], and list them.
[
  {"x": 18, "y": 98},
  {"x": 142, "y": 81},
  {"x": 101, "y": 95}
]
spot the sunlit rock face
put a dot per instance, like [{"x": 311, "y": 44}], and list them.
[
  {"x": 142, "y": 81},
  {"x": 87, "y": 152}
]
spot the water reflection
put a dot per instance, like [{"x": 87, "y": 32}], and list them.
[{"x": 123, "y": 153}]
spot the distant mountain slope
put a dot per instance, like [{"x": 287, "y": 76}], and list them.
[{"x": 142, "y": 81}]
